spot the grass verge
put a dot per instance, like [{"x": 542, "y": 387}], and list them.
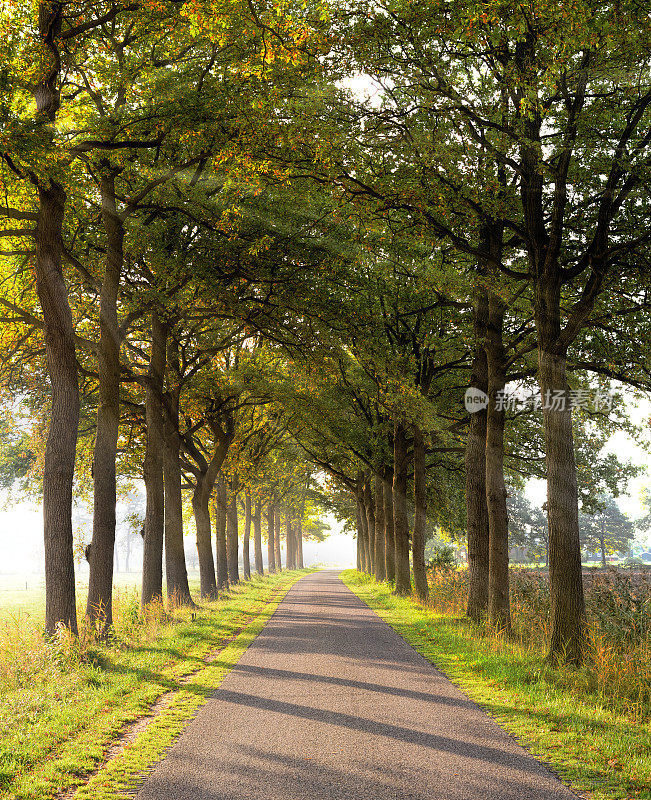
[
  {"x": 56, "y": 731},
  {"x": 593, "y": 748}
]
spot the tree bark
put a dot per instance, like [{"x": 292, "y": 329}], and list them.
[
  {"x": 221, "y": 503},
  {"x": 370, "y": 523},
  {"x": 232, "y": 538},
  {"x": 380, "y": 531},
  {"x": 201, "y": 509},
  {"x": 289, "y": 539},
  {"x": 277, "y": 531},
  {"x": 257, "y": 538},
  {"x": 299, "y": 541},
  {"x": 389, "y": 542},
  {"x": 59, "y": 335},
  {"x": 361, "y": 505},
  {"x": 152, "y": 564},
  {"x": 498, "y": 522},
  {"x": 420, "y": 517},
  {"x": 360, "y": 542},
  {"x": 99, "y": 606},
  {"x": 246, "y": 550},
  {"x": 176, "y": 573},
  {"x": 271, "y": 550},
  {"x": 565, "y": 574},
  {"x": 475, "y": 461},
  {"x": 400, "y": 518}
]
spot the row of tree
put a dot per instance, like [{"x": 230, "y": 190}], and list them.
[{"x": 227, "y": 267}]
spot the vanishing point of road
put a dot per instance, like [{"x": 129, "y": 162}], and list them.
[{"x": 329, "y": 702}]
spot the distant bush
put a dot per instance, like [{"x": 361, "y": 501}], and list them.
[{"x": 443, "y": 558}]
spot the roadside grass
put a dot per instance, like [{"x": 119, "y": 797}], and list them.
[
  {"x": 64, "y": 701},
  {"x": 594, "y": 747}
]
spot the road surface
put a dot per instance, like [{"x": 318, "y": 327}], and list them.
[{"x": 329, "y": 702}]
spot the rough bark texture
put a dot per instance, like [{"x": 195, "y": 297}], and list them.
[
  {"x": 555, "y": 334},
  {"x": 475, "y": 461},
  {"x": 221, "y": 553},
  {"x": 205, "y": 475},
  {"x": 232, "y": 539},
  {"x": 565, "y": 575},
  {"x": 299, "y": 542},
  {"x": 277, "y": 531},
  {"x": 420, "y": 517},
  {"x": 176, "y": 573},
  {"x": 498, "y": 521},
  {"x": 369, "y": 505},
  {"x": 257, "y": 538},
  {"x": 152, "y": 561},
  {"x": 246, "y": 549},
  {"x": 99, "y": 605},
  {"x": 59, "y": 335},
  {"x": 389, "y": 542},
  {"x": 366, "y": 561},
  {"x": 289, "y": 540},
  {"x": 271, "y": 550},
  {"x": 380, "y": 533},
  {"x": 400, "y": 518},
  {"x": 360, "y": 542},
  {"x": 201, "y": 509}
]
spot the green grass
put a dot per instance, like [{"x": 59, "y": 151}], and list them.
[
  {"x": 592, "y": 747},
  {"x": 66, "y": 702}
]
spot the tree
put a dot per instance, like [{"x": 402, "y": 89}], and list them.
[{"x": 606, "y": 531}]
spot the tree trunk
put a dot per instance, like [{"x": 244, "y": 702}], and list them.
[
  {"x": 221, "y": 550},
  {"x": 59, "y": 335},
  {"x": 389, "y": 542},
  {"x": 475, "y": 461},
  {"x": 420, "y": 517},
  {"x": 178, "y": 590},
  {"x": 400, "y": 518},
  {"x": 277, "y": 529},
  {"x": 271, "y": 550},
  {"x": 565, "y": 575},
  {"x": 299, "y": 541},
  {"x": 152, "y": 562},
  {"x": 220, "y": 504},
  {"x": 289, "y": 539},
  {"x": 201, "y": 508},
  {"x": 232, "y": 539},
  {"x": 498, "y": 521},
  {"x": 380, "y": 532},
  {"x": 361, "y": 505},
  {"x": 360, "y": 542},
  {"x": 246, "y": 550},
  {"x": 99, "y": 605},
  {"x": 370, "y": 523},
  {"x": 257, "y": 538}
]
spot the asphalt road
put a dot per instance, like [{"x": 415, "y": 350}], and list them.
[{"x": 329, "y": 702}]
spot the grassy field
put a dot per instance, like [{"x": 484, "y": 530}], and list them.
[
  {"x": 63, "y": 703},
  {"x": 596, "y": 747}
]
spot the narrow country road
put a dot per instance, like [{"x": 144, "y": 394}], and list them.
[{"x": 329, "y": 702}]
